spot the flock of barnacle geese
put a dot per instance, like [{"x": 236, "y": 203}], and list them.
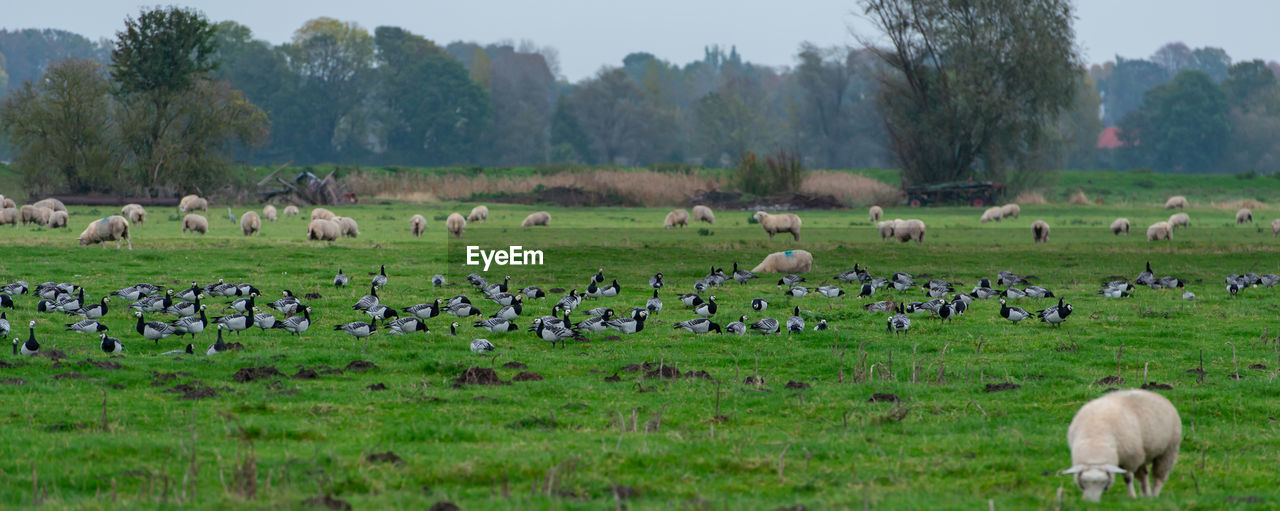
[{"x": 244, "y": 312}]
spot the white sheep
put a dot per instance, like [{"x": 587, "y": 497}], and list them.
[
  {"x": 676, "y": 217},
  {"x": 6, "y": 202},
  {"x": 455, "y": 224},
  {"x": 269, "y": 213},
  {"x": 1275, "y": 227},
  {"x": 887, "y": 227},
  {"x": 195, "y": 223},
  {"x": 322, "y": 214},
  {"x": 191, "y": 203},
  {"x": 9, "y": 216},
  {"x": 1177, "y": 201},
  {"x": 1160, "y": 231},
  {"x": 774, "y": 224},
  {"x": 291, "y": 210},
  {"x": 349, "y": 226},
  {"x": 992, "y": 215},
  {"x": 909, "y": 230},
  {"x": 106, "y": 229},
  {"x": 58, "y": 219},
  {"x": 478, "y": 214},
  {"x": 250, "y": 223},
  {"x": 1244, "y": 216},
  {"x": 1132, "y": 432},
  {"x": 51, "y": 203},
  {"x": 323, "y": 230},
  {"x": 134, "y": 213},
  {"x": 1040, "y": 229},
  {"x": 703, "y": 214},
  {"x": 417, "y": 225},
  {"x": 875, "y": 213},
  {"x": 790, "y": 261},
  {"x": 32, "y": 214},
  {"x": 540, "y": 218},
  {"x": 1179, "y": 220},
  {"x": 1120, "y": 225},
  {"x": 1010, "y": 210}
]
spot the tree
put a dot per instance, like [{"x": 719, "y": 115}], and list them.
[
  {"x": 834, "y": 114},
  {"x": 1182, "y": 125},
  {"x": 622, "y": 123},
  {"x": 29, "y": 52},
  {"x": 1123, "y": 88},
  {"x": 329, "y": 63},
  {"x": 1254, "y": 99},
  {"x": 1078, "y": 127},
  {"x": 974, "y": 84}
]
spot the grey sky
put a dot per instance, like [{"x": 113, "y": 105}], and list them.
[{"x": 590, "y": 34}]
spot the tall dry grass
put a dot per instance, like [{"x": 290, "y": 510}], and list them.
[
  {"x": 643, "y": 188},
  {"x": 1030, "y": 198},
  {"x": 1079, "y": 198},
  {"x": 1233, "y": 205},
  {"x": 850, "y": 189}
]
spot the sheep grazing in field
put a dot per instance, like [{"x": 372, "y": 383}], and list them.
[
  {"x": 191, "y": 203},
  {"x": 774, "y": 224},
  {"x": 323, "y": 230},
  {"x": 909, "y": 230},
  {"x": 1121, "y": 225},
  {"x": 887, "y": 227},
  {"x": 195, "y": 223},
  {"x": 992, "y": 215},
  {"x": 676, "y": 217},
  {"x": 1179, "y": 220},
  {"x": 1160, "y": 231},
  {"x": 1177, "y": 201},
  {"x": 32, "y": 214},
  {"x": 269, "y": 213},
  {"x": 250, "y": 223},
  {"x": 107, "y": 229},
  {"x": 1275, "y": 226},
  {"x": 790, "y": 261},
  {"x": 540, "y": 218},
  {"x": 478, "y": 214},
  {"x": 134, "y": 213},
  {"x": 875, "y": 213},
  {"x": 9, "y": 216},
  {"x": 417, "y": 225},
  {"x": 1010, "y": 210},
  {"x": 455, "y": 224},
  {"x": 349, "y": 226},
  {"x": 1132, "y": 432},
  {"x": 1040, "y": 229},
  {"x": 6, "y": 202},
  {"x": 58, "y": 219},
  {"x": 1244, "y": 216},
  {"x": 322, "y": 214},
  {"x": 291, "y": 210},
  {"x": 52, "y": 204},
  {"x": 703, "y": 214}
]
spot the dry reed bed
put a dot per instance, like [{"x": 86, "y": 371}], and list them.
[{"x": 850, "y": 189}]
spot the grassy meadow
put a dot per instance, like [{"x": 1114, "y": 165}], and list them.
[{"x": 607, "y": 426}]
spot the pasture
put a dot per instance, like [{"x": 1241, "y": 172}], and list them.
[{"x": 660, "y": 419}]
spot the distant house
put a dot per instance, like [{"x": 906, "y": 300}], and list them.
[{"x": 1110, "y": 138}]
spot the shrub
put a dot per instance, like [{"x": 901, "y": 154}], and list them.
[{"x": 780, "y": 173}]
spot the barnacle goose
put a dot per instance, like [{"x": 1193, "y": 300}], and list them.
[
  {"x": 706, "y": 309},
  {"x": 4, "y": 324},
  {"x": 797, "y": 291},
  {"x": 380, "y": 280},
  {"x": 340, "y": 280},
  {"x": 937, "y": 289},
  {"x": 110, "y": 344},
  {"x": 368, "y": 300},
  {"x": 595, "y": 323},
  {"x": 552, "y": 333},
  {"x": 795, "y": 323},
  {"x": 72, "y": 304},
  {"x": 742, "y": 276},
  {"x": 821, "y": 326},
  {"x": 190, "y": 293},
  {"x": 93, "y": 310},
  {"x": 1145, "y": 278},
  {"x": 463, "y": 310},
  {"x": 1007, "y": 278},
  {"x": 879, "y": 282},
  {"x": 153, "y": 303},
  {"x": 243, "y": 304},
  {"x": 946, "y": 311},
  {"x": 867, "y": 290},
  {"x": 1013, "y": 293},
  {"x": 831, "y": 291},
  {"x": 599, "y": 311},
  {"x": 289, "y": 304},
  {"x": 424, "y": 310},
  {"x": 191, "y": 325},
  {"x": 131, "y": 293},
  {"x": 698, "y": 326},
  {"x": 899, "y": 322},
  {"x": 18, "y": 287},
  {"x": 789, "y": 280},
  {"x": 495, "y": 289},
  {"x": 765, "y": 326},
  {"x": 881, "y": 306},
  {"x": 1188, "y": 296},
  {"x": 381, "y": 312},
  {"x": 512, "y": 311},
  {"x": 6, "y": 300},
  {"x": 190, "y": 350},
  {"x": 759, "y": 304},
  {"x": 933, "y": 306},
  {"x": 1168, "y": 282},
  {"x": 1038, "y": 292},
  {"x": 570, "y": 301},
  {"x": 32, "y": 346},
  {"x": 481, "y": 346},
  {"x": 1056, "y": 314},
  {"x": 628, "y": 325},
  {"x": 218, "y": 345},
  {"x": 406, "y": 325},
  {"x": 690, "y": 299},
  {"x": 654, "y": 304},
  {"x": 457, "y": 299},
  {"x": 437, "y": 280},
  {"x": 738, "y": 327},
  {"x": 593, "y": 291},
  {"x": 1233, "y": 289},
  {"x": 184, "y": 309},
  {"x": 656, "y": 281},
  {"x": 611, "y": 290},
  {"x": 153, "y": 330},
  {"x": 87, "y": 326},
  {"x": 264, "y": 320},
  {"x": 453, "y": 328},
  {"x": 235, "y": 322},
  {"x": 296, "y": 324},
  {"x": 357, "y": 329},
  {"x": 983, "y": 293},
  {"x": 598, "y": 278},
  {"x": 1116, "y": 292},
  {"x": 533, "y": 292},
  {"x": 1269, "y": 280}
]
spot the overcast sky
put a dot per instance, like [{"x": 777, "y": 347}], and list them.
[{"x": 590, "y": 34}]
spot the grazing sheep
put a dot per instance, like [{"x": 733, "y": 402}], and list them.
[
  {"x": 134, "y": 213},
  {"x": 191, "y": 203},
  {"x": 250, "y": 222},
  {"x": 9, "y": 216},
  {"x": 31, "y": 214},
  {"x": 455, "y": 224},
  {"x": 790, "y": 261},
  {"x": 540, "y": 218},
  {"x": 909, "y": 230},
  {"x": 417, "y": 225},
  {"x": 58, "y": 219},
  {"x": 322, "y": 214},
  {"x": 703, "y": 214},
  {"x": 195, "y": 223},
  {"x": 774, "y": 224},
  {"x": 1244, "y": 215},
  {"x": 478, "y": 214},
  {"x": 6, "y": 202},
  {"x": 291, "y": 210},
  {"x": 992, "y": 215},
  {"x": 52, "y": 204},
  {"x": 1179, "y": 220},
  {"x": 269, "y": 212},
  {"x": 1177, "y": 201},
  {"x": 1010, "y": 210},
  {"x": 1040, "y": 229},
  {"x": 875, "y": 213},
  {"x": 887, "y": 227},
  {"x": 349, "y": 226},
  {"x": 323, "y": 230},
  {"x": 1275, "y": 226},
  {"x": 1132, "y": 432},
  {"x": 1121, "y": 225},
  {"x": 676, "y": 217},
  {"x": 106, "y": 229},
  {"x": 1160, "y": 231}
]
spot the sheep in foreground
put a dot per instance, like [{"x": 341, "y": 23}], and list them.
[
  {"x": 774, "y": 224},
  {"x": 875, "y": 213},
  {"x": 323, "y": 230},
  {"x": 790, "y": 261},
  {"x": 1010, "y": 210},
  {"x": 1244, "y": 216},
  {"x": 269, "y": 213},
  {"x": 455, "y": 224},
  {"x": 676, "y": 217},
  {"x": 1160, "y": 231},
  {"x": 1040, "y": 229},
  {"x": 417, "y": 225},
  {"x": 1120, "y": 225},
  {"x": 1275, "y": 226},
  {"x": 58, "y": 219},
  {"x": 9, "y": 216},
  {"x": 52, "y": 204},
  {"x": 478, "y": 214},
  {"x": 250, "y": 222},
  {"x": 291, "y": 210},
  {"x": 195, "y": 223},
  {"x": 1131, "y": 432},
  {"x": 992, "y": 215},
  {"x": 540, "y": 218},
  {"x": 107, "y": 229},
  {"x": 703, "y": 214},
  {"x": 134, "y": 213},
  {"x": 1177, "y": 201},
  {"x": 322, "y": 214},
  {"x": 32, "y": 214},
  {"x": 909, "y": 230},
  {"x": 349, "y": 226},
  {"x": 887, "y": 227},
  {"x": 1177, "y": 220},
  {"x": 193, "y": 202}
]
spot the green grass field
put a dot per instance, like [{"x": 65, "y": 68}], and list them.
[{"x": 568, "y": 440}]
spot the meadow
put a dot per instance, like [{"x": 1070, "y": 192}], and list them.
[{"x": 960, "y": 415}]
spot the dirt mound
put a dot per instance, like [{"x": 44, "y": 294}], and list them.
[
  {"x": 376, "y": 387},
  {"x": 667, "y": 372},
  {"x": 1111, "y": 380},
  {"x": 105, "y": 364},
  {"x": 527, "y": 376},
  {"x": 71, "y": 375},
  {"x": 327, "y": 502},
  {"x": 479, "y": 376},
  {"x": 192, "y": 391},
  {"x": 305, "y": 374},
  {"x": 514, "y": 365},
  {"x": 632, "y": 368},
  {"x": 248, "y": 374},
  {"x": 444, "y": 505},
  {"x": 565, "y": 196},
  {"x": 384, "y": 457},
  {"x": 311, "y": 296},
  {"x": 1156, "y": 386},
  {"x": 613, "y": 379},
  {"x": 883, "y": 398},
  {"x": 623, "y": 492},
  {"x": 997, "y": 387},
  {"x": 52, "y": 354},
  {"x": 797, "y": 385},
  {"x": 361, "y": 366},
  {"x": 6, "y": 365},
  {"x": 698, "y": 375}
]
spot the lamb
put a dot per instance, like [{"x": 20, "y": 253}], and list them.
[
  {"x": 417, "y": 225},
  {"x": 992, "y": 215},
  {"x": 790, "y": 261},
  {"x": 1275, "y": 226},
  {"x": 1010, "y": 210},
  {"x": 1120, "y": 225},
  {"x": 52, "y": 204},
  {"x": 107, "y": 229},
  {"x": 1160, "y": 231},
  {"x": 58, "y": 219},
  {"x": 322, "y": 214},
  {"x": 195, "y": 223},
  {"x": 1177, "y": 201},
  {"x": 134, "y": 213},
  {"x": 323, "y": 230},
  {"x": 774, "y": 224},
  {"x": 1132, "y": 432},
  {"x": 676, "y": 217},
  {"x": 349, "y": 226},
  {"x": 909, "y": 230},
  {"x": 269, "y": 212},
  {"x": 1244, "y": 215},
  {"x": 250, "y": 222},
  {"x": 478, "y": 214},
  {"x": 455, "y": 224},
  {"x": 703, "y": 214},
  {"x": 1040, "y": 229},
  {"x": 9, "y": 216},
  {"x": 291, "y": 210},
  {"x": 875, "y": 213},
  {"x": 1179, "y": 220},
  {"x": 540, "y": 218},
  {"x": 887, "y": 227},
  {"x": 191, "y": 203}
]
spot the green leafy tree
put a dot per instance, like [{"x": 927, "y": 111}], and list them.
[
  {"x": 1078, "y": 127},
  {"x": 1254, "y": 99},
  {"x": 330, "y": 64},
  {"x": 622, "y": 122},
  {"x": 1182, "y": 126},
  {"x": 1124, "y": 86}
]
